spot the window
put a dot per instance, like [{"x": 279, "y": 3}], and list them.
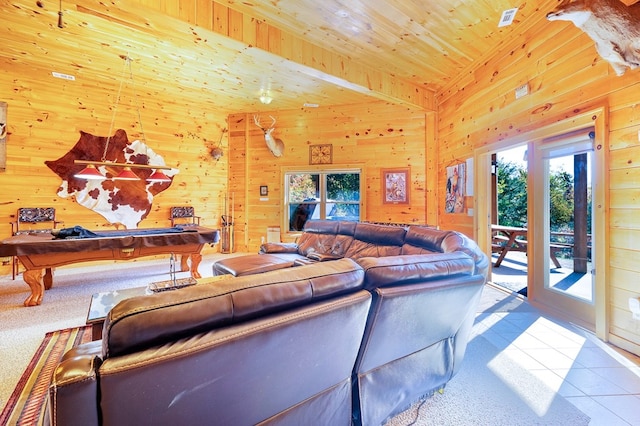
[{"x": 327, "y": 194}]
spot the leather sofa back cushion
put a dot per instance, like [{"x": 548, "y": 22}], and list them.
[
  {"x": 376, "y": 240},
  {"x": 142, "y": 322},
  {"x": 326, "y": 237},
  {"x": 396, "y": 270},
  {"x": 423, "y": 240}
]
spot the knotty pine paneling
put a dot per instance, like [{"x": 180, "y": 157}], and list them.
[
  {"x": 261, "y": 34},
  {"x": 565, "y": 76},
  {"x": 373, "y": 136},
  {"x": 46, "y": 115}
]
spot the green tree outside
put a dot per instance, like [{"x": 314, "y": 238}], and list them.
[{"x": 512, "y": 197}]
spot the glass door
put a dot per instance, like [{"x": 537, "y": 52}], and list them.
[{"x": 563, "y": 237}]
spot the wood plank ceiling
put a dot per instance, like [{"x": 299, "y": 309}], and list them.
[
  {"x": 426, "y": 42},
  {"x": 367, "y": 47}
]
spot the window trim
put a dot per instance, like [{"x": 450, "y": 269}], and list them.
[{"x": 326, "y": 169}]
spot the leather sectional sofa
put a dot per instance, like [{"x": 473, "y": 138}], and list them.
[{"x": 354, "y": 340}]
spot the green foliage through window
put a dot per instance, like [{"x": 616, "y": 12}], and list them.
[{"x": 331, "y": 195}]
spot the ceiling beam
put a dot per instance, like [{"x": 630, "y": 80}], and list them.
[{"x": 303, "y": 56}]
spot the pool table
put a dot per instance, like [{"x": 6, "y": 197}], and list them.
[{"x": 40, "y": 252}]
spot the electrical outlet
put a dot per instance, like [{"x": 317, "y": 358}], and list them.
[{"x": 522, "y": 90}]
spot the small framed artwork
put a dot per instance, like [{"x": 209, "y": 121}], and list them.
[
  {"x": 321, "y": 154},
  {"x": 395, "y": 186},
  {"x": 264, "y": 190}
]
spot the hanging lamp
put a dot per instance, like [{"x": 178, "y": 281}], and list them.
[
  {"x": 126, "y": 174},
  {"x": 92, "y": 173},
  {"x": 158, "y": 176}
]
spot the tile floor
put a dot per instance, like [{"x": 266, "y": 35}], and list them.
[{"x": 600, "y": 380}]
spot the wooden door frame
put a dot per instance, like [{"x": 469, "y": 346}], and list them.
[{"x": 598, "y": 118}]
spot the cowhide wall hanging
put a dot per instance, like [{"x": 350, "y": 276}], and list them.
[
  {"x": 612, "y": 25},
  {"x": 120, "y": 202}
]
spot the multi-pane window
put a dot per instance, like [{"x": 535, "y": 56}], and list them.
[{"x": 332, "y": 195}]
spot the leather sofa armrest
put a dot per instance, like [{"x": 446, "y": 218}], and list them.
[
  {"x": 73, "y": 392},
  {"x": 279, "y": 248}
]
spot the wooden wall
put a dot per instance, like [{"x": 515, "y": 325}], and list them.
[
  {"x": 372, "y": 137},
  {"x": 46, "y": 114},
  {"x": 565, "y": 76},
  {"x": 559, "y": 63}
]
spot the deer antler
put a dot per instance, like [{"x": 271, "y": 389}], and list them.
[
  {"x": 276, "y": 146},
  {"x": 256, "y": 119}
]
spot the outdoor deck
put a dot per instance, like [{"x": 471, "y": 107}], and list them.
[{"x": 512, "y": 274}]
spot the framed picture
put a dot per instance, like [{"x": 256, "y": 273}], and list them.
[
  {"x": 321, "y": 154},
  {"x": 264, "y": 190},
  {"x": 395, "y": 186},
  {"x": 456, "y": 182}
]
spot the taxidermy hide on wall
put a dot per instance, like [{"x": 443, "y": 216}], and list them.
[{"x": 613, "y": 26}]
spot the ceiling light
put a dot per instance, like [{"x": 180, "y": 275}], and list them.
[{"x": 265, "y": 98}]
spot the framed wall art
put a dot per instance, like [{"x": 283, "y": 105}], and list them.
[
  {"x": 264, "y": 190},
  {"x": 321, "y": 154},
  {"x": 456, "y": 182},
  {"x": 395, "y": 186}
]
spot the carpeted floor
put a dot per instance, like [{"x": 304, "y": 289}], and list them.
[{"x": 480, "y": 394}]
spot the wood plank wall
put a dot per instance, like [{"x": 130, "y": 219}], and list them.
[
  {"x": 372, "y": 137},
  {"x": 565, "y": 76},
  {"x": 46, "y": 114},
  {"x": 559, "y": 62}
]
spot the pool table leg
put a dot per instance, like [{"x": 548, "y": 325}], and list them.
[
  {"x": 196, "y": 258},
  {"x": 34, "y": 279},
  {"x": 184, "y": 264}
]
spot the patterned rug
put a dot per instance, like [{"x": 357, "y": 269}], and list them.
[{"x": 26, "y": 405}]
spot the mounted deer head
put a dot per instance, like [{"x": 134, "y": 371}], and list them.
[
  {"x": 275, "y": 145},
  {"x": 613, "y": 26}
]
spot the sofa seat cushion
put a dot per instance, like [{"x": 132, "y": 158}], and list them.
[
  {"x": 406, "y": 269},
  {"x": 146, "y": 321},
  {"x": 253, "y": 264}
]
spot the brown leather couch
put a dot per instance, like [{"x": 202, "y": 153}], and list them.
[
  {"x": 324, "y": 240},
  {"x": 338, "y": 342}
]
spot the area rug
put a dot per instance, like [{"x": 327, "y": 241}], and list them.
[{"x": 26, "y": 405}]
